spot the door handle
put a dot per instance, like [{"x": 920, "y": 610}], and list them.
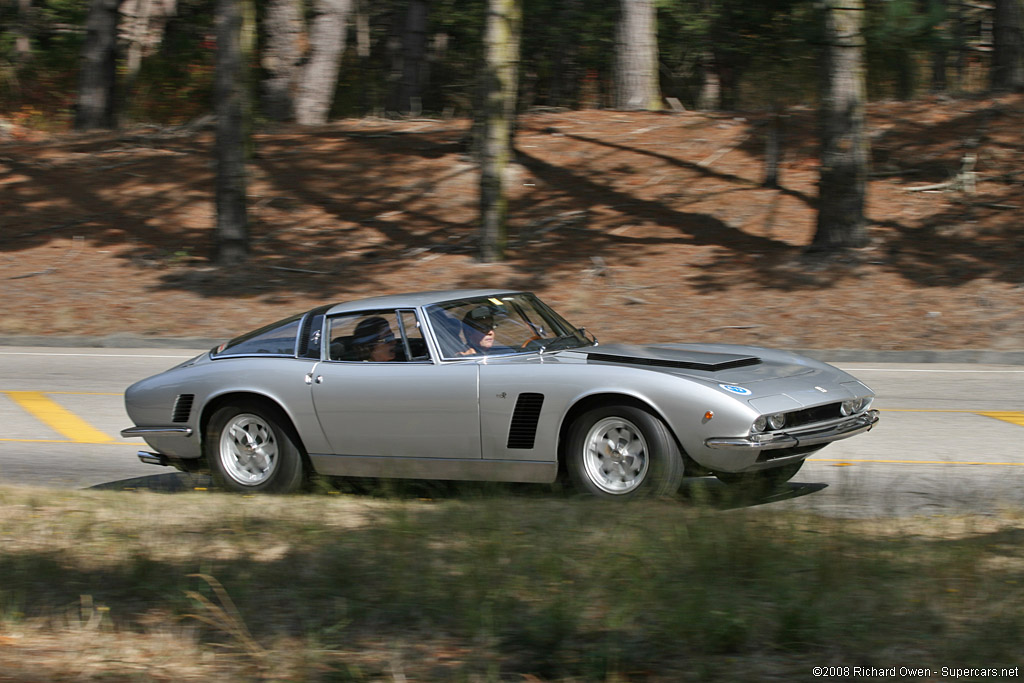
[{"x": 309, "y": 379}]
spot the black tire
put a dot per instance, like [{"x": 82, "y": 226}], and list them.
[
  {"x": 622, "y": 452},
  {"x": 250, "y": 447},
  {"x": 771, "y": 478}
]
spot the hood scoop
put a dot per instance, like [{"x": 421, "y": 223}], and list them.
[{"x": 666, "y": 357}]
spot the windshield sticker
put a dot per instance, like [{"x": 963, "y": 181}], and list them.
[{"x": 736, "y": 390}]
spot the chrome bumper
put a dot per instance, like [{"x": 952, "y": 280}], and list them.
[
  {"x": 156, "y": 431},
  {"x": 182, "y": 464},
  {"x": 821, "y": 435}
]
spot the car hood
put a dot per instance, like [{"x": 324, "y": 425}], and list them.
[{"x": 717, "y": 362}]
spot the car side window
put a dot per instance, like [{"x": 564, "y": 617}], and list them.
[
  {"x": 276, "y": 339},
  {"x": 377, "y": 337}
]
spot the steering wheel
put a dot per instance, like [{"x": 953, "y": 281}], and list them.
[{"x": 530, "y": 340}]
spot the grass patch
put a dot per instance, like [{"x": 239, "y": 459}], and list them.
[{"x": 489, "y": 586}]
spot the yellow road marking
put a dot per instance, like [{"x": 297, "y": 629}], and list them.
[
  {"x": 932, "y": 410},
  {"x": 87, "y": 443},
  {"x": 57, "y": 417},
  {"x": 1006, "y": 416},
  {"x": 1011, "y": 416},
  {"x": 845, "y": 461}
]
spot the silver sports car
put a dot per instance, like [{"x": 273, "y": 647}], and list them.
[{"x": 487, "y": 385}]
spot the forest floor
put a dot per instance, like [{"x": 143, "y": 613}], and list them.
[{"x": 639, "y": 226}]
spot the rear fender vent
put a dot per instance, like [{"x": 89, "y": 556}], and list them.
[
  {"x": 183, "y": 407},
  {"x": 523, "y": 430}
]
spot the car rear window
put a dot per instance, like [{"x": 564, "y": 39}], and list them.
[{"x": 276, "y": 339}]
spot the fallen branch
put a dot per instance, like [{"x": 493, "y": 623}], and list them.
[
  {"x": 732, "y": 327},
  {"x": 68, "y": 256},
  {"x": 723, "y": 151},
  {"x": 300, "y": 270},
  {"x": 986, "y": 205},
  {"x": 933, "y": 188},
  {"x": 965, "y": 180}
]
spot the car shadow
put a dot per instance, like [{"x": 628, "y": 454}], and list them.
[
  {"x": 170, "y": 482},
  {"x": 713, "y": 493},
  {"x": 706, "y": 491}
]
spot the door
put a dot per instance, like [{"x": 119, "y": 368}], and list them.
[{"x": 374, "y": 401}]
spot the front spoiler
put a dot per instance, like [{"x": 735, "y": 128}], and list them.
[{"x": 811, "y": 437}]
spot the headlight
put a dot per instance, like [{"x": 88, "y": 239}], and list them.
[
  {"x": 777, "y": 421},
  {"x": 760, "y": 424},
  {"x": 853, "y": 406}
]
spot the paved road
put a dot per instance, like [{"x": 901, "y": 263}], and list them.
[{"x": 951, "y": 438}]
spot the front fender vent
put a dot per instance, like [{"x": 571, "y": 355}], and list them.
[
  {"x": 183, "y": 407},
  {"x": 523, "y": 430}
]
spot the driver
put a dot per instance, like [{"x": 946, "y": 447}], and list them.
[
  {"x": 478, "y": 329},
  {"x": 374, "y": 340}
]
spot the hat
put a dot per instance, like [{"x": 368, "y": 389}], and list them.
[
  {"x": 481, "y": 318},
  {"x": 372, "y": 330}
]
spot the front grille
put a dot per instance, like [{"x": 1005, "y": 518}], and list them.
[
  {"x": 183, "y": 408},
  {"x": 807, "y": 416},
  {"x": 523, "y": 430}
]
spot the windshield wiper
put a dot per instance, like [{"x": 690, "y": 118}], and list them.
[{"x": 562, "y": 341}]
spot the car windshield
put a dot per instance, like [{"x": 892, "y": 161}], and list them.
[{"x": 497, "y": 325}]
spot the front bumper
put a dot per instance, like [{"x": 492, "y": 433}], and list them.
[
  {"x": 173, "y": 441},
  {"x": 817, "y": 435},
  {"x": 156, "y": 431}
]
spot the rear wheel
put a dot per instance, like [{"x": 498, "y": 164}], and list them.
[
  {"x": 250, "y": 448},
  {"x": 623, "y": 452}
]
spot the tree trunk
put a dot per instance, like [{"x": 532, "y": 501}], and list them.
[
  {"x": 97, "y": 82},
  {"x": 414, "y": 63},
  {"x": 1008, "y": 45},
  {"x": 565, "y": 82},
  {"x": 773, "y": 147},
  {"x": 710, "y": 97},
  {"x": 844, "y": 156},
  {"x": 501, "y": 46},
  {"x": 319, "y": 78},
  {"x": 284, "y": 28},
  {"x": 22, "y": 32},
  {"x": 636, "y": 64},
  {"x": 940, "y": 37},
  {"x": 231, "y": 103},
  {"x": 137, "y": 16}
]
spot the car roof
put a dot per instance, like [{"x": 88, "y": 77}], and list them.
[{"x": 414, "y": 299}]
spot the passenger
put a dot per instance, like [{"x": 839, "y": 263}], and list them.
[
  {"x": 478, "y": 329},
  {"x": 374, "y": 341}
]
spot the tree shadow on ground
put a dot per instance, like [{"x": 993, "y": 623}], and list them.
[{"x": 339, "y": 212}]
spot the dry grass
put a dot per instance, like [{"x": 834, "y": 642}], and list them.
[{"x": 486, "y": 585}]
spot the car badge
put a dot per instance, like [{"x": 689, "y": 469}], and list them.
[
  {"x": 822, "y": 389},
  {"x": 742, "y": 391}
]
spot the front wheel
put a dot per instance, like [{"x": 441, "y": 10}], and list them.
[
  {"x": 249, "y": 449},
  {"x": 623, "y": 452}
]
